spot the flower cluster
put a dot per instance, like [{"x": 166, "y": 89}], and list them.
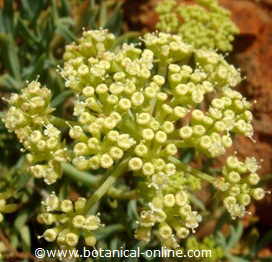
[
  {"x": 204, "y": 24},
  {"x": 122, "y": 107},
  {"x": 29, "y": 116},
  {"x": 135, "y": 107},
  {"x": 144, "y": 103},
  {"x": 68, "y": 221},
  {"x": 169, "y": 210},
  {"x": 238, "y": 185}
]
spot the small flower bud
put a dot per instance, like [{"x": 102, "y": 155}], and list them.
[
  {"x": 36, "y": 136},
  {"x": 92, "y": 223},
  {"x": 186, "y": 132},
  {"x": 185, "y": 210},
  {"x": 84, "y": 118},
  {"x": 113, "y": 135},
  {"x": 169, "y": 200},
  {"x": 66, "y": 206},
  {"x": 41, "y": 145},
  {"x": 116, "y": 88},
  {"x": 158, "y": 79},
  {"x": 116, "y": 153},
  {"x": 168, "y": 127},
  {"x": 101, "y": 89},
  {"x": 52, "y": 143},
  {"x": 234, "y": 177},
  {"x": 81, "y": 163},
  {"x": 182, "y": 232},
  {"x": 245, "y": 199},
  {"x": 161, "y": 96},
  {"x": 148, "y": 169},
  {"x": 143, "y": 118},
  {"x": 154, "y": 124},
  {"x": 38, "y": 171},
  {"x": 227, "y": 141},
  {"x": 160, "y": 216},
  {"x": 182, "y": 89},
  {"x": 78, "y": 221},
  {"x": 159, "y": 164},
  {"x": 148, "y": 134},
  {"x": 199, "y": 130},
  {"x": 232, "y": 162},
  {"x": 165, "y": 231},
  {"x": 71, "y": 239},
  {"x": 167, "y": 109},
  {"x": 141, "y": 150},
  {"x": 109, "y": 123},
  {"x": 124, "y": 104},
  {"x": 171, "y": 149},
  {"x": 112, "y": 99},
  {"x": 180, "y": 112},
  {"x": 80, "y": 204},
  {"x": 51, "y": 203},
  {"x": 80, "y": 149},
  {"x": 229, "y": 201},
  {"x": 181, "y": 198},
  {"x": 88, "y": 91},
  {"x": 90, "y": 240},
  {"x": 94, "y": 162},
  {"x": 46, "y": 218},
  {"x": 235, "y": 190},
  {"x": 147, "y": 219},
  {"x": 258, "y": 193},
  {"x": 135, "y": 163},
  {"x": 50, "y": 235},
  {"x": 137, "y": 99},
  {"x": 106, "y": 161},
  {"x": 143, "y": 233},
  {"x": 197, "y": 115},
  {"x": 150, "y": 92},
  {"x": 218, "y": 103},
  {"x": 253, "y": 179},
  {"x": 116, "y": 116},
  {"x": 170, "y": 169},
  {"x": 161, "y": 137}
]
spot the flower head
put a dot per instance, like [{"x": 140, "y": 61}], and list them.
[{"x": 203, "y": 24}]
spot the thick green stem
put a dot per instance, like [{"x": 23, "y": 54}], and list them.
[
  {"x": 162, "y": 70},
  {"x": 121, "y": 194},
  {"x": 187, "y": 168},
  {"x": 105, "y": 232},
  {"x": 58, "y": 122},
  {"x": 61, "y": 123},
  {"x": 80, "y": 176},
  {"x": 103, "y": 189}
]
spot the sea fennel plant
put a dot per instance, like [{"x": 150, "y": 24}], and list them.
[
  {"x": 136, "y": 108},
  {"x": 201, "y": 23}
]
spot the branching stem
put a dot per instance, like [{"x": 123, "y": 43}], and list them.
[
  {"x": 110, "y": 180},
  {"x": 194, "y": 171}
]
